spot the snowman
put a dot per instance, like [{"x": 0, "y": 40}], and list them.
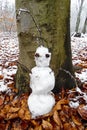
[{"x": 42, "y": 81}]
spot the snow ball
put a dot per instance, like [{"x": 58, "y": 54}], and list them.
[
  {"x": 40, "y": 104},
  {"x": 42, "y": 80},
  {"x": 74, "y": 104}
]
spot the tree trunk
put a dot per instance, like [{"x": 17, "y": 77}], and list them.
[{"x": 52, "y": 20}]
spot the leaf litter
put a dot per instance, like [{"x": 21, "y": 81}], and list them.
[{"x": 70, "y": 110}]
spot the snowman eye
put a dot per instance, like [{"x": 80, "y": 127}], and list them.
[
  {"x": 37, "y": 55},
  {"x": 47, "y": 55}
]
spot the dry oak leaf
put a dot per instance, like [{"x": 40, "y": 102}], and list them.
[
  {"x": 21, "y": 113},
  {"x": 83, "y": 65},
  {"x": 56, "y": 127},
  {"x": 57, "y": 107},
  {"x": 2, "y": 126},
  {"x": 24, "y": 125},
  {"x": 13, "y": 109},
  {"x": 11, "y": 116},
  {"x": 63, "y": 116},
  {"x": 68, "y": 126},
  {"x": 1, "y": 100},
  {"x": 6, "y": 108},
  {"x": 24, "y": 114},
  {"x": 34, "y": 123},
  {"x": 15, "y": 102},
  {"x": 10, "y": 85},
  {"x": 27, "y": 115},
  {"x": 16, "y": 126},
  {"x": 76, "y": 120},
  {"x": 30, "y": 128},
  {"x": 2, "y": 114},
  {"x": 46, "y": 125},
  {"x": 82, "y": 110},
  {"x": 56, "y": 119},
  {"x": 59, "y": 103},
  {"x": 1, "y": 77},
  {"x": 38, "y": 128}
]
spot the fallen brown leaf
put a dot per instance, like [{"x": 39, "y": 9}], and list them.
[
  {"x": 12, "y": 116},
  {"x": 46, "y": 125},
  {"x": 38, "y": 128},
  {"x": 68, "y": 126},
  {"x": 1, "y": 100},
  {"x": 13, "y": 109},
  {"x": 21, "y": 113},
  {"x": 76, "y": 120},
  {"x": 27, "y": 115},
  {"x": 1, "y": 76},
  {"x": 24, "y": 125},
  {"x": 82, "y": 112},
  {"x": 59, "y": 103},
  {"x": 34, "y": 123},
  {"x": 56, "y": 119}
]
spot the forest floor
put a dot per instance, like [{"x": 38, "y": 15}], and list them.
[{"x": 70, "y": 110}]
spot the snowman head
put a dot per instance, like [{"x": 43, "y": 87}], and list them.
[{"x": 42, "y": 57}]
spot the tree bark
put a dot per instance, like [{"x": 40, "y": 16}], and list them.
[{"x": 53, "y": 20}]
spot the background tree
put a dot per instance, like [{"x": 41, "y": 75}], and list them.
[
  {"x": 44, "y": 22},
  {"x": 78, "y": 16},
  {"x": 7, "y": 17}
]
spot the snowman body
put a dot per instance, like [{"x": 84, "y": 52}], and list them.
[{"x": 42, "y": 81}]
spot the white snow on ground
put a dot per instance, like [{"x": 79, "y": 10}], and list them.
[
  {"x": 75, "y": 102},
  {"x": 79, "y": 55},
  {"x": 8, "y": 54},
  {"x": 82, "y": 76}
]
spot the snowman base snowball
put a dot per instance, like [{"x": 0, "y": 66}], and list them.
[{"x": 40, "y": 104}]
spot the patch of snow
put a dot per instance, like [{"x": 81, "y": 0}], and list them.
[
  {"x": 3, "y": 87},
  {"x": 84, "y": 95},
  {"x": 74, "y": 104},
  {"x": 79, "y": 54},
  {"x": 8, "y": 53},
  {"x": 78, "y": 90},
  {"x": 82, "y": 76}
]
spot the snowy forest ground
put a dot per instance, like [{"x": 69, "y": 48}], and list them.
[
  {"x": 70, "y": 110},
  {"x": 79, "y": 56},
  {"x": 9, "y": 52}
]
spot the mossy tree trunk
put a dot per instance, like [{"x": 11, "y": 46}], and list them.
[{"x": 53, "y": 19}]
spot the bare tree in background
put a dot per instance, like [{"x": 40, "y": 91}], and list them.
[{"x": 7, "y": 17}]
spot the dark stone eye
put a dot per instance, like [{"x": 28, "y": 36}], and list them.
[
  {"x": 47, "y": 55},
  {"x": 37, "y": 55}
]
